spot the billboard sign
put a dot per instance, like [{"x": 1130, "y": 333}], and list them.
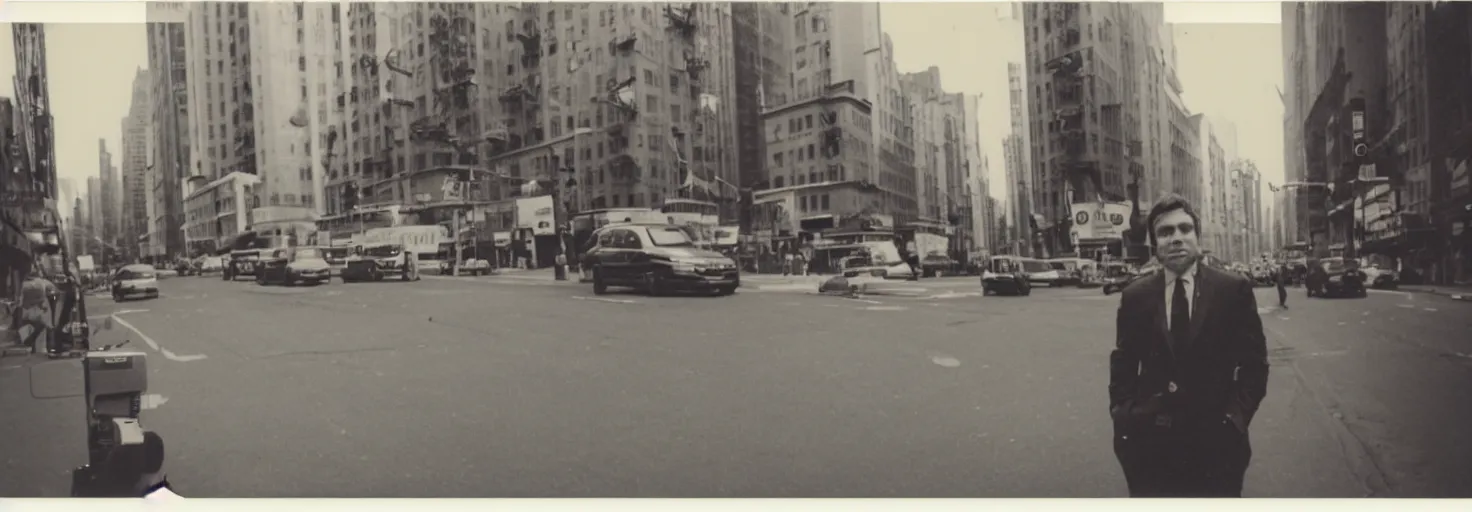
[{"x": 1100, "y": 220}]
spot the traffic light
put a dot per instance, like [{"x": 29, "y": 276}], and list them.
[{"x": 1358, "y": 124}]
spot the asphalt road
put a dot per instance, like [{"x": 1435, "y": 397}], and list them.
[{"x": 479, "y": 388}]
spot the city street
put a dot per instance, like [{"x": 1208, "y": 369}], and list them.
[{"x": 453, "y": 387}]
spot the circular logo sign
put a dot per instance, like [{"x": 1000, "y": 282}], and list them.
[
  {"x": 1116, "y": 219},
  {"x": 1081, "y": 218},
  {"x": 1361, "y": 150}
]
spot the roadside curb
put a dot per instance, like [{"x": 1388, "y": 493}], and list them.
[{"x": 1459, "y": 295}]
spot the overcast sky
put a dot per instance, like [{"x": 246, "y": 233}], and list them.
[{"x": 1229, "y": 70}]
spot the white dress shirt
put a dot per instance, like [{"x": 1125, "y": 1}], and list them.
[{"x": 1170, "y": 289}]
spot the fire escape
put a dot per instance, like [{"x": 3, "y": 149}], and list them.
[
  {"x": 682, "y": 24},
  {"x": 454, "y": 81},
  {"x": 1070, "y": 100},
  {"x": 621, "y": 95},
  {"x": 522, "y": 98},
  {"x": 243, "y": 119}
]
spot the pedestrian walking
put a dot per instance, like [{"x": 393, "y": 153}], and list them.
[
  {"x": 36, "y": 300},
  {"x": 1188, "y": 370},
  {"x": 1282, "y": 279}
]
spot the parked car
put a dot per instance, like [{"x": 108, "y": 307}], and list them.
[
  {"x": 1005, "y": 275},
  {"x": 134, "y": 281},
  {"x": 374, "y": 262},
  {"x": 294, "y": 265},
  {"x": 1382, "y": 278},
  {"x": 243, "y": 263},
  {"x": 1336, "y": 277},
  {"x": 471, "y": 266},
  {"x": 658, "y": 259}
]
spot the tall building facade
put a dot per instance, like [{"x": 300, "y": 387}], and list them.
[
  {"x": 135, "y": 165},
  {"x": 1342, "y": 69},
  {"x": 296, "y": 75},
  {"x": 943, "y": 148},
  {"x": 220, "y": 95},
  {"x": 169, "y": 122},
  {"x": 110, "y": 215},
  {"x": 636, "y": 102},
  {"x": 1213, "y": 207},
  {"x": 31, "y": 185},
  {"x": 761, "y": 35},
  {"x": 1016, "y": 148},
  {"x": 1449, "y": 93},
  {"x": 1105, "y": 107},
  {"x": 94, "y": 213},
  {"x": 978, "y": 229},
  {"x": 1295, "y": 94}
]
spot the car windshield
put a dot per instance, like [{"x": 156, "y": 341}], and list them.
[
  {"x": 1003, "y": 266},
  {"x": 1035, "y": 266},
  {"x": 382, "y": 251},
  {"x": 669, "y": 237},
  {"x": 308, "y": 254},
  {"x": 129, "y": 275}
]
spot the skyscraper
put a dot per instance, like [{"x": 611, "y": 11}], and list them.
[
  {"x": 135, "y": 164},
  {"x": 1105, "y": 112},
  {"x": 169, "y": 122}
]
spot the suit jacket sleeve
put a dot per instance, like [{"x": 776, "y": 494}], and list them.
[
  {"x": 1124, "y": 361},
  {"x": 1251, "y": 352}
]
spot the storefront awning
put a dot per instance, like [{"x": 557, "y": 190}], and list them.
[{"x": 15, "y": 247}]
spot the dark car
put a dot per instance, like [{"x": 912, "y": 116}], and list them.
[
  {"x": 1004, "y": 275},
  {"x": 1335, "y": 277},
  {"x": 292, "y": 266},
  {"x": 374, "y": 262},
  {"x": 1119, "y": 284},
  {"x": 137, "y": 280},
  {"x": 242, "y": 263},
  {"x": 1116, "y": 277},
  {"x": 657, "y": 258}
]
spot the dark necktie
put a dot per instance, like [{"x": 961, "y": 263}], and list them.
[{"x": 1180, "y": 316}]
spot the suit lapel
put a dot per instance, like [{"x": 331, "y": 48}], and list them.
[{"x": 1202, "y": 307}]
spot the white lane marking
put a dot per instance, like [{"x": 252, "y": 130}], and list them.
[
  {"x": 602, "y": 299},
  {"x": 885, "y": 308},
  {"x": 1282, "y": 318},
  {"x": 953, "y": 295},
  {"x": 1433, "y": 310},
  {"x": 170, "y": 355},
  {"x": 945, "y": 361},
  {"x": 151, "y": 401},
  {"x": 866, "y": 301},
  {"x": 127, "y": 311}
]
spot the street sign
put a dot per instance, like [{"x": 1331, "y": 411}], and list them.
[{"x": 1361, "y": 150}]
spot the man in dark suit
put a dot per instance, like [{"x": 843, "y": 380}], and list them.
[{"x": 1188, "y": 370}]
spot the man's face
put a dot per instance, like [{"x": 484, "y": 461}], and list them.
[{"x": 1175, "y": 240}]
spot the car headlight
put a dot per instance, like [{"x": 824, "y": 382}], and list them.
[{"x": 680, "y": 265}]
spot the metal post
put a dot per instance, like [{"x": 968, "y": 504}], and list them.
[
  {"x": 455, "y": 241},
  {"x": 559, "y": 215}
]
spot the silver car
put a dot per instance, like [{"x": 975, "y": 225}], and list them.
[{"x": 136, "y": 280}]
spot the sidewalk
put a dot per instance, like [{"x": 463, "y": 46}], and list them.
[{"x": 1461, "y": 292}]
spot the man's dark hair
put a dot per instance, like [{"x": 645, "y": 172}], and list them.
[{"x": 1166, "y": 204}]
